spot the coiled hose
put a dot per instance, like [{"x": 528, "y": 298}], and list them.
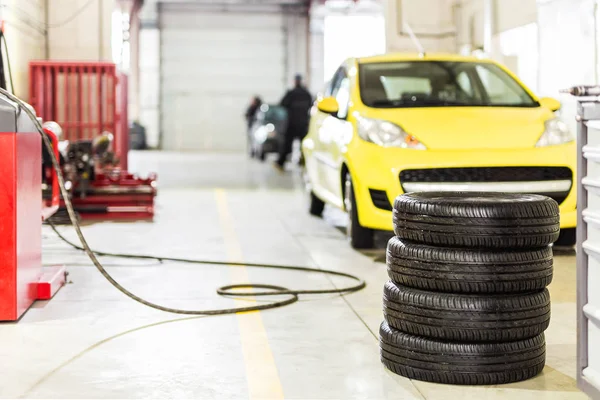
[{"x": 260, "y": 290}]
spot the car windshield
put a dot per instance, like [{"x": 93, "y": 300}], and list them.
[{"x": 438, "y": 84}]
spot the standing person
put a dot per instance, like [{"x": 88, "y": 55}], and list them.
[
  {"x": 250, "y": 118},
  {"x": 297, "y": 102},
  {"x": 252, "y": 110}
]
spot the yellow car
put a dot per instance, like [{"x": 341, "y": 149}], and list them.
[{"x": 394, "y": 124}]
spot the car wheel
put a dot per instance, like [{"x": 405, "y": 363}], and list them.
[
  {"x": 476, "y": 220},
  {"x": 442, "y": 269},
  {"x": 358, "y": 236},
  {"x": 567, "y": 238},
  {"x": 466, "y": 317},
  {"x": 454, "y": 363},
  {"x": 316, "y": 205}
]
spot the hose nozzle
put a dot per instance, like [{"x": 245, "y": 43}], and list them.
[{"x": 581, "y": 91}]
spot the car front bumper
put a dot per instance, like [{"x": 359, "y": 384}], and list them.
[{"x": 376, "y": 168}]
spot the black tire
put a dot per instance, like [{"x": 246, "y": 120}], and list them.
[
  {"x": 358, "y": 236},
  {"x": 61, "y": 217},
  {"x": 316, "y": 205},
  {"x": 449, "y": 270},
  {"x": 491, "y": 220},
  {"x": 466, "y": 318},
  {"x": 567, "y": 238},
  {"x": 459, "y": 363}
]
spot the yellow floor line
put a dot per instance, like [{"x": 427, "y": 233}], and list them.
[{"x": 261, "y": 371}]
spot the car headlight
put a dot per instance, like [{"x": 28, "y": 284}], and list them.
[
  {"x": 556, "y": 132},
  {"x": 386, "y": 134}
]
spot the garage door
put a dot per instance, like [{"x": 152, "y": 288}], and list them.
[{"x": 211, "y": 65}]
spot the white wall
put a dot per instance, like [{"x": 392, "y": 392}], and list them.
[
  {"x": 431, "y": 20},
  {"x": 297, "y": 61},
  {"x": 317, "y": 55},
  {"x": 62, "y": 33},
  {"x": 149, "y": 72},
  {"x": 548, "y": 43},
  {"x": 358, "y": 30},
  {"x": 25, "y": 33},
  {"x": 297, "y": 46},
  {"x": 86, "y": 37},
  {"x": 567, "y": 50}
]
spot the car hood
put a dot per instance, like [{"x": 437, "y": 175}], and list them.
[{"x": 468, "y": 128}]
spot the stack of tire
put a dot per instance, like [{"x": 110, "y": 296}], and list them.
[{"x": 468, "y": 303}]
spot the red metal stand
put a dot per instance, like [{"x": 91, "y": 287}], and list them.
[{"x": 84, "y": 98}]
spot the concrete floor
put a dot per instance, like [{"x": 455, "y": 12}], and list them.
[{"x": 92, "y": 342}]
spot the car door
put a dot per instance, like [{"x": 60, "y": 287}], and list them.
[
  {"x": 317, "y": 164},
  {"x": 336, "y": 132}
]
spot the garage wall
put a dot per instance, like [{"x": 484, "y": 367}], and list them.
[
  {"x": 25, "y": 33},
  {"x": 317, "y": 55},
  {"x": 509, "y": 14},
  {"x": 297, "y": 46},
  {"x": 567, "y": 50},
  {"x": 353, "y": 47},
  {"x": 431, "y": 20},
  {"x": 84, "y": 37},
  {"x": 69, "y": 30},
  {"x": 212, "y": 63},
  {"x": 149, "y": 72},
  {"x": 165, "y": 129},
  {"x": 549, "y": 43}
]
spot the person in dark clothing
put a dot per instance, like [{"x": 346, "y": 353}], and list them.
[
  {"x": 252, "y": 110},
  {"x": 297, "y": 102},
  {"x": 251, "y": 117}
]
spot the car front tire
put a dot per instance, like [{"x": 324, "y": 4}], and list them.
[
  {"x": 358, "y": 236},
  {"x": 316, "y": 205},
  {"x": 567, "y": 238}
]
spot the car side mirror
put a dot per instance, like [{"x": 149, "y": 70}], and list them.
[
  {"x": 328, "y": 105},
  {"x": 550, "y": 103}
]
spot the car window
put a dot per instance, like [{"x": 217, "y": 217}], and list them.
[
  {"x": 400, "y": 85},
  {"x": 341, "y": 92},
  {"x": 343, "y": 98},
  {"x": 464, "y": 82},
  {"x": 438, "y": 84},
  {"x": 499, "y": 89},
  {"x": 337, "y": 81}
]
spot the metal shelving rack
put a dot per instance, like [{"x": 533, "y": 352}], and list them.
[{"x": 588, "y": 241}]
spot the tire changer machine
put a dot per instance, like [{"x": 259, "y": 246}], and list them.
[{"x": 30, "y": 195}]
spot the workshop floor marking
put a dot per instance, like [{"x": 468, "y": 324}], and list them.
[{"x": 261, "y": 371}]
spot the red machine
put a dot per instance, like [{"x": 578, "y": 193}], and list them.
[
  {"x": 22, "y": 277},
  {"x": 88, "y": 101},
  {"x": 98, "y": 187}
]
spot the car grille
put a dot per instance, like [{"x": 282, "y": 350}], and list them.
[
  {"x": 491, "y": 174},
  {"x": 487, "y": 174},
  {"x": 380, "y": 199}
]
